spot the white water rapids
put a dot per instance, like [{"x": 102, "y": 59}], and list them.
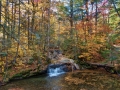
[{"x": 55, "y": 71}]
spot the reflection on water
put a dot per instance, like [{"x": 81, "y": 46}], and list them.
[
  {"x": 87, "y": 81},
  {"x": 26, "y": 84},
  {"x": 51, "y": 82},
  {"x": 37, "y": 83},
  {"x": 56, "y": 83}
]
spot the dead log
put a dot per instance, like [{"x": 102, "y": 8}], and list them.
[{"x": 108, "y": 68}]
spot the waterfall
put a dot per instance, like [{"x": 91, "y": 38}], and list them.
[{"x": 55, "y": 71}]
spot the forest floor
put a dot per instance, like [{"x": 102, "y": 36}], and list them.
[{"x": 97, "y": 78}]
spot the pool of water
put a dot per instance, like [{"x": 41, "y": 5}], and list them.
[
  {"x": 37, "y": 83},
  {"x": 88, "y": 80}
]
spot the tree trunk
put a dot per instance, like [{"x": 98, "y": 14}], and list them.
[
  {"x": 8, "y": 27},
  {"x": 71, "y": 16},
  {"x": 113, "y": 2},
  {"x": 96, "y": 16},
  {"x": 18, "y": 34},
  {"x": 0, "y": 15},
  {"x": 28, "y": 27},
  {"x": 48, "y": 29},
  {"x": 0, "y": 12}
]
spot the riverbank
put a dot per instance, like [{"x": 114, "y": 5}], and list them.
[
  {"x": 97, "y": 79},
  {"x": 86, "y": 79},
  {"x": 21, "y": 72},
  {"x": 94, "y": 77}
]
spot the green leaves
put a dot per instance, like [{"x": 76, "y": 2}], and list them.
[
  {"x": 3, "y": 54},
  {"x": 37, "y": 36}
]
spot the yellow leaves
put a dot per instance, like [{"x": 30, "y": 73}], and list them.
[
  {"x": 12, "y": 50},
  {"x": 20, "y": 52},
  {"x": 93, "y": 47},
  {"x": 86, "y": 55},
  {"x": 89, "y": 50},
  {"x": 19, "y": 62},
  {"x": 2, "y": 66},
  {"x": 1, "y": 63},
  {"x": 74, "y": 80}
]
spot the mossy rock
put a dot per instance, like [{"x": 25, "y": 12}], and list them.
[
  {"x": 22, "y": 74},
  {"x": 25, "y": 74},
  {"x": 16, "y": 76}
]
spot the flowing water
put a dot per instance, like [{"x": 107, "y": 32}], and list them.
[
  {"x": 55, "y": 71},
  {"x": 88, "y": 80},
  {"x": 53, "y": 81}
]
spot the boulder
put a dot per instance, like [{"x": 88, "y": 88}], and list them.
[{"x": 69, "y": 61}]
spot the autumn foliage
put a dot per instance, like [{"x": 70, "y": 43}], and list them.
[{"x": 92, "y": 41}]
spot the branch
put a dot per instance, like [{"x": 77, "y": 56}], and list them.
[{"x": 115, "y": 8}]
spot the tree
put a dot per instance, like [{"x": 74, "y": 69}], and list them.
[{"x": 116, "y": 10}]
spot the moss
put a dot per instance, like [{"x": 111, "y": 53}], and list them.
[
  {"x": 20, "y": 75},
  {"x": 25, "y": 74}
]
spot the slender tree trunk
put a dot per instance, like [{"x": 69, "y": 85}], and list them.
[
  {"x": 8, "y": 27},
  {"x": 71, "y": 13},
  {"x": 76, "y": 43},
  {"x": 6, "y": 22},
  {"x": 71, "y": 17},
  {"x": 14, "y": 18},
  {"x": 96, "y": 15},
  {"x": 48, "y": 29},
  {"x": 19, "y": 21},
  {"x": 108, "y": 18},
  {"x": 86, "y": 5},
  {"x": 92, "y": 3},
  {"x": 113, "y": 2},
  {"x": 28, "y": 27},
  {"x": 71, "y": 25},
  {"x": 43, "y": 27},
  {"x": 12, "y": 26},
  {"x": 58, "y": 42},
  {"x": 0, "y": 12},
  {"x": 33, "y": 20}
]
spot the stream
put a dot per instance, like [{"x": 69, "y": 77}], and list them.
[
  {"x": 37, "y": 83},
  {"x": 52, "y": 81},
  {"x": 55, "y": 80}
]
